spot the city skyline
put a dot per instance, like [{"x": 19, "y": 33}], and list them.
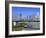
[{"x": 25, "y": 11}]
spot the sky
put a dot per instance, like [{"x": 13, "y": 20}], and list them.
[{"x": 25, "y": 11}]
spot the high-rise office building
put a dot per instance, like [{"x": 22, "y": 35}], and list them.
[
  {"x": 33, "y": 17},
  {"x": 29, "y": 17},
  {"x": 20, "y": 16}
]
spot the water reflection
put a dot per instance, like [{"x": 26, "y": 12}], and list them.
[{"x": 26, "y": 26}]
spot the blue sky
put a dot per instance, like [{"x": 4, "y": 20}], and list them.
[{"x": 25, "y": 11}]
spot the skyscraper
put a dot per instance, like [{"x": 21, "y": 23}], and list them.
[
  {"x": 33, "y": 17},
  {"x": 20, "y": 16},
  {"x": 29, "y": 17}
]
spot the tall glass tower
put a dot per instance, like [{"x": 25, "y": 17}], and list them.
[{"x": 20, "y": 16}]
